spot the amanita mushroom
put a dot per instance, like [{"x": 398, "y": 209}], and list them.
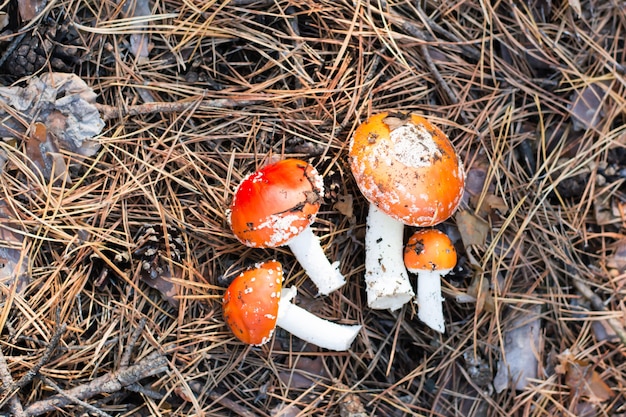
[
  {"x": 275, "y": 206},
  {"x": 410, "y": 173},
  {"x": 255, "y": 303},
  {"x": 430, "y": 254}
]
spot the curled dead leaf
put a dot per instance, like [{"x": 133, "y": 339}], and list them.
[
  {"x": 582, "y": 379},
  {"x": 472, "y": 228}
]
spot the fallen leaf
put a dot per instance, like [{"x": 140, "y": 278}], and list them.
[
  {"x": 617, "y": 260},
  {"x": 63, "y": 103},
  {"x": 479, "y": 290},
  {"x": 30, "y": 8},
  {"x": 582, "y": 380},
  {"x": 472, "y": 228},
  {"x": 137, "y": 10},
  {"x": 304, "y": 373},
  {"x": 44, "y": 155},
  {"x": 587, "y": 105},
  {"x": 521, "y": 342}
]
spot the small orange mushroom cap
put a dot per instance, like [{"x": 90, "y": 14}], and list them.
[
  {"x": 429, "y": 250},
  {"x": 250, "y": 304},
  {"x": 276, "y": 203},
  {"x": 408, "y": 168}
]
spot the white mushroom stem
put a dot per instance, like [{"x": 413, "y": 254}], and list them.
[
  {"x": 386, "y": 279},
  {"x": 308, "y": 251},
  {"x": 313, "y": 329},
  {"x": 429, "y": 299}
]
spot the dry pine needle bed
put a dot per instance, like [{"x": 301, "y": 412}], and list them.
[{"x": 116, "y": 249}]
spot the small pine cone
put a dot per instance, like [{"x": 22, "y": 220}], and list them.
[
  {"x": 152, "y": 249},
  {"x": 30, "y": 55}
]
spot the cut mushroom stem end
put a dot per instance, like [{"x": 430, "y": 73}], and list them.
[
  {"x": 386, "y": 279},
  {"x": 255, "y": 303},
  {"x": 311, "y": 328},
  {"x": 429, "y": 299}
]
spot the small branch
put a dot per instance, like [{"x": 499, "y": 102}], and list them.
[
  {"x": 131, "y": 343},
  {"x": 112, "y": 112},
  {"x": 108, "y": 383},
  {"x": 598, "y": 305},
  {"x": 45, "y": 358},
  {"x": 7, "y": 380},
  {"x": 74, "y": 400}
]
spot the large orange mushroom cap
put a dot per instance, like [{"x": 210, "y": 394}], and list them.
[
  {"x": 250, "y": 304},
  {"x": 429, "y": 250},
  {"x": 276, "y": 203},
  {"x": 408, "y": 168}
]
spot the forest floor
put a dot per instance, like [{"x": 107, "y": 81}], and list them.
[{"x": 116, "y": 248}]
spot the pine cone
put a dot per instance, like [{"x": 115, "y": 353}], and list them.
[
  {"x": 152, "y": 249},
  {"x": 32, "y": 53}
]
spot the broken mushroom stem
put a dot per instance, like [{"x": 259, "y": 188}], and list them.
[
  {"x": 386, "y": 280},
  {"x": 255, "y": 303},
  {"x": 311, "y": 328}
]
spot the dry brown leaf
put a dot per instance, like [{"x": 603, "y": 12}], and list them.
[
  {"x": 618, "y": 259},
  {"x": 304, "y": 373},
  {"x": 479, "y": 290},
  {"x": 30, "y": 8},
  {"x": 472, "y": 228},
  {"x": 587, "y": 105},
  {"x": 163, "y": 283},
  {"x": 13, "y": 256},
  {"x": 63, "y": 103},
  {"x": 44, "y": 155},
  {"x": 582, "y": 380}
]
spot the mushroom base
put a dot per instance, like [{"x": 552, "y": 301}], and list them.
[
  {"x": 386, "y": 279},
  {"x": 429, "y": 300}
]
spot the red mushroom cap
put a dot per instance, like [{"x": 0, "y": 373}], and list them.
[
  {"x": 276, "y": 203},
  {"x": 408, "y": 168},
  {"x": 429, "y": 250},
  {"x": 250, "y": 304}
]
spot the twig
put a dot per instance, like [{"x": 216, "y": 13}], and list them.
[
  {"x": 111, "y": 112},
  {"x": 125, "y": 360},
  {"x": 11, "y": 389},
  {"x": 45, "y": 358},
  {"x": 108, "y": 383},
  {"x": 74, "y": 400},
  {"x": 598, "y": 305},
  {"x": 411, "y": 29},
  {"x": 587, "y": 292},
  {"x": 7, "y": 380}
]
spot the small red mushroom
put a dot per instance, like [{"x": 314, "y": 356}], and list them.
[
  {"x": 254, "y": 304},
  {"x": 275, "y": 206},
  {"x": 410, "y": 173},
  {"x": 431, "y": 255}
]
